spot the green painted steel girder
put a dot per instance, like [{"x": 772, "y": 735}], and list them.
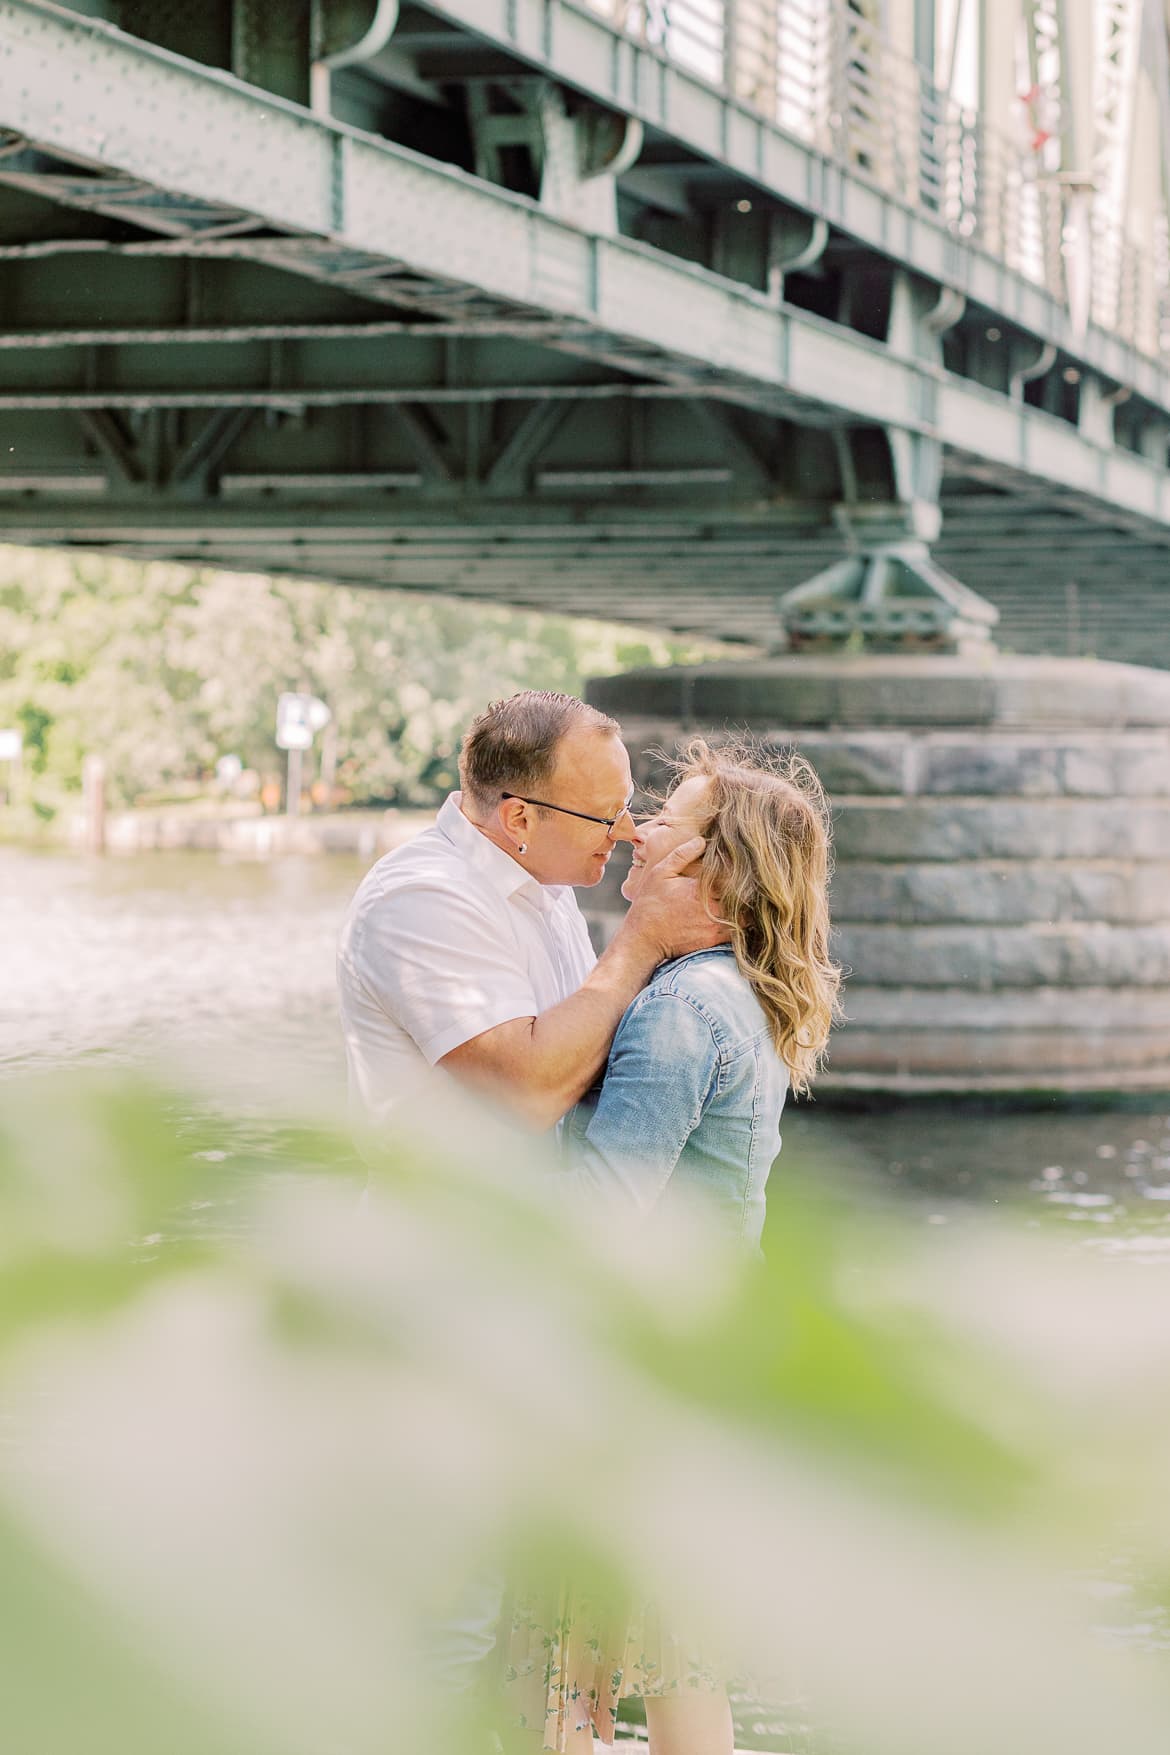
[
  {"x": 150, "y": 134},
  {"x": 575, "y": 44}
]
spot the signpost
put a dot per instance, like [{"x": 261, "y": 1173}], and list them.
[
  {"x": 93, "y": 795},
  {"x": 11, "y": 751},
  {"x": 298, "y": 718}
]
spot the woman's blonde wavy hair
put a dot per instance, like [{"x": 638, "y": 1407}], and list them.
[{"x": 765, "y": 871}]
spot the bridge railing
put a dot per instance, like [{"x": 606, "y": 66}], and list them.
[{"x": 827, "y": 75}]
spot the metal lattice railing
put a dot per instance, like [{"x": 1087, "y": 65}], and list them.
[{"x": 825, "y": 74}]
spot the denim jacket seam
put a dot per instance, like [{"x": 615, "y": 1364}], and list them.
[
  {"x": 728, "y": 1050},
  {"x": 695, "y": 1118},
  {"x": 728, "y": 1047},
  {"x": 688, "y": 999},
  {"x": 712, "y": 1083},
  {"x": 749, "y": 1179}
]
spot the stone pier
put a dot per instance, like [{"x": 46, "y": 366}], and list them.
[{"x": 1002, "y": 886}]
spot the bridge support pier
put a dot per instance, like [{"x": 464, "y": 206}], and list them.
[
  {"x": 1002, "y": 855},
  {"x": 1002, "y": 823}
]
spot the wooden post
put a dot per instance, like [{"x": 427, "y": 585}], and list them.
[
  {"x": 292, "y": 791},
  {"x": 328, "y": 774},
  {"x": 93, "y": 793}
]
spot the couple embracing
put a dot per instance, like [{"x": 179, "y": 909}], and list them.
[{"x": 670, "y": 1055}]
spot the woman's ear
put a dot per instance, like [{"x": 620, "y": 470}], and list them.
[
  {"x": 707, "y": 864},
  {"x": 694, "y": 869}
]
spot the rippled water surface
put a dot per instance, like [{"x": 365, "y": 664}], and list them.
[
  {"x": 232, "y": 961},
  {"x": 118, "y": 958}
]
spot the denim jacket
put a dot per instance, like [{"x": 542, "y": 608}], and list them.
[{"x": 691, "y": 1100}]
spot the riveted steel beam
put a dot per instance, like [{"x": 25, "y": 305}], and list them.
[
  {"x": 203, "y": 32},
  {"x": 292, "y": 398},
  {"x": 314, "y": 513},
  {"x": 272, "y": 45},
  {"x": 578, "y": 46},
  {"x": 358, "y": 213},
  {"x": 427, "y": 440},
  {"x": 617, "y": 560},
  {"x": 215, "y": 334},
  {"x": 210, "y": 445},
  {"x": 510, "y": 468},
  {"x": 111, "y": 442},
  {"x": 417, "y": 518}
]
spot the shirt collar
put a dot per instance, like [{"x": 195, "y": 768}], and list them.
[{"x": 491, "y": 863}]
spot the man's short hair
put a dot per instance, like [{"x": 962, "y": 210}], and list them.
[{"x": 512, "y": 745}]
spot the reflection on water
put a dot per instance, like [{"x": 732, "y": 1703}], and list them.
[
  {"x": 232, "y": 961},
  {"x": 116, "y": 958},
  {"x": 1105, "y": 1170}
]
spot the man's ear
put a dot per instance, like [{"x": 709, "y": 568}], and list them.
[{"x": 512, "y": 815}]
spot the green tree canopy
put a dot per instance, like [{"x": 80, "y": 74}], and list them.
[{"x": 163, "y": 669}]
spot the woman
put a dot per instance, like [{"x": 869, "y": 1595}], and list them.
[
  {"x": 689, "y": 1112},
  {"x": 703, "y": 1058}
]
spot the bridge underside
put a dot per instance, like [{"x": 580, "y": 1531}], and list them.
[
  {"x": 1062, "y": 584},
  {"x": 232, "y": 414},
  {"x": 314, "y": 353}
]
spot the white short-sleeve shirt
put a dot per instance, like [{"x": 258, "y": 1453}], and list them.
[{"x": 445, "y": 938}]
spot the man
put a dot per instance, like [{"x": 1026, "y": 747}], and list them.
[{"x": 466, "y": 949}]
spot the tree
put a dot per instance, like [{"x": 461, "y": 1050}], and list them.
[{"x": 162, "y": 669}]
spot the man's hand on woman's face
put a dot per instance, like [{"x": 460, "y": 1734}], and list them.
[{"x": 667, "y": 913}]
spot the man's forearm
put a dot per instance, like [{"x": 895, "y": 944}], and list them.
[
  {"x": 539, "y": 1067},
  {"x": 570, "y": 1042}
]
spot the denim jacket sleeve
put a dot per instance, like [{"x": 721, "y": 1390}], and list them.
[{"x": 663, "y": 1066}]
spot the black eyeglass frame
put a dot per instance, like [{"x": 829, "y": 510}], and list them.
[{"x": 611, "y": 823}]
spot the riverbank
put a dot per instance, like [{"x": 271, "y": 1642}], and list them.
[
  {"x": 254, "y": 834},
  {"x": 244, "y": 830}
]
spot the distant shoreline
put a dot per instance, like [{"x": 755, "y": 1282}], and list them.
[{"x": 242, "y": 830}]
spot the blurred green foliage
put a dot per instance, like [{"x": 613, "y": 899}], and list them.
[
  {"x": 163, "y": 669},
  {"x": 253, "y": 1436}
]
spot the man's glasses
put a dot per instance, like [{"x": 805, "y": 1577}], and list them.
[{"x": 611, "y": 823}]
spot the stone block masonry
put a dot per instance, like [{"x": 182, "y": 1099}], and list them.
[{"x": 1001, "y": 896}]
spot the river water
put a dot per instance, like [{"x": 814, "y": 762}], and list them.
[
  {"x": 126, "y": 958},
  {"x": 215, "y": 961},
  {"x": 228, "y": 962}
]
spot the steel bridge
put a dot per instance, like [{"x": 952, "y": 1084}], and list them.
[{"x": 646, "y": 309}]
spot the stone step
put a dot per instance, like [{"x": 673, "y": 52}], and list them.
[
  {"x": 1125, "y": 765},
  {"x": 1006, "y": 828},
  {"x": 1001, "y": 892},
  {"x": 1002, "y": 826},
  {"x": 1025, "y": 764},
  {"x": 1014, "y": 1059},
  {"x": 880, "y": 690},
  {"x": 1026, "y": 1080},
  {"x": 1075, "y": 954},
  {"x": 1104, "y": 1010}
]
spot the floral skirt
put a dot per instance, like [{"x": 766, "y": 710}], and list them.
[{"x": 566, "y": 1665}]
